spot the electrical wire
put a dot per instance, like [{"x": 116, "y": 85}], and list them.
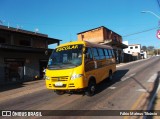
[{"x": 140, "y": 32}]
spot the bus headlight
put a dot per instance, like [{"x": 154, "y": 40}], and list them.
[
  {"x": 47, "y": 78},
  {"x": 74, "y": 76}
]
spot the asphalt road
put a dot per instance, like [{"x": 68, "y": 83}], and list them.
[{"x": 132, "y": 88}]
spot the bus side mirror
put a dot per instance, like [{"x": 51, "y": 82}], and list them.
[
  {"x": 87, "y": 56},
  {"x": 85, "y": 50}
]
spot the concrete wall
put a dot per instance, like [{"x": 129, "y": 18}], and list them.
[
  {"x": 15, "y": 39},
  {"x": 31, "y": 63},
  {"x": 99, "y": 35},
  {"x": 95, "y": 35}
]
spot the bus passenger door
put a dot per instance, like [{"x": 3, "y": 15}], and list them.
[{"x": 89, "y": 64}]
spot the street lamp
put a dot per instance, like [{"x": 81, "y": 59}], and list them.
[
  {"x": 154, "y": 15},
  {"x": 151, "y": 13}
]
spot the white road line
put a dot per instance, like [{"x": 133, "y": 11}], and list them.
[
  {"x": 131, "y": 75},
  {"x": 152, "y": 78},
  {"x": 142, "y": 90},
  {"x": 112, "y": 87}
]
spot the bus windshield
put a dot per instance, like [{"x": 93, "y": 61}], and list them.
[{"x": 66, "y": 57}]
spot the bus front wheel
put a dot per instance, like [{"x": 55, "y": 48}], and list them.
[
  {"x": 59, "y": 92},
  {"x": 91, "y": 88}
]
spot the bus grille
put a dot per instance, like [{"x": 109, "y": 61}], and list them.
[{"x": 63, "y": 78}]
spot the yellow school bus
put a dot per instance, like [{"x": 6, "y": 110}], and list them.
[{"x": 79, "y": 65}]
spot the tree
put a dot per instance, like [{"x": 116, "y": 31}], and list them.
[
  {"x": 144, "y": 48},
  {"x": 150, "y": 48},
  {"x": 157, "y": 51}
]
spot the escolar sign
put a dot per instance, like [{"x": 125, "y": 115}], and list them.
[{"x": 70, "y": 47}]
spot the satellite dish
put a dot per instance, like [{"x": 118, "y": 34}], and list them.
[{"x": 36, "y": 30}]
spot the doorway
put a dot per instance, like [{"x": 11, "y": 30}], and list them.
[
  {"x": 14, "y": 70},
  {"x": 42, "y": 66}
]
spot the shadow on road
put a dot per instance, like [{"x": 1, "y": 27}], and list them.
[
  {"x": 6, "y": 87},
  {"x": 105, "y": 83},
  {"x": 116, "y": 78},
  {"x": 14, "y": 85}
]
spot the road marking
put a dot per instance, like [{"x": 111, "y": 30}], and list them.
[
  {"x": 142, "y": 90},
  {"x": 131, "y": 75},
  {"x": 112, "y": 87},
  {"x": 135, "y": 105},
  {"x": 152, "y": 78}
]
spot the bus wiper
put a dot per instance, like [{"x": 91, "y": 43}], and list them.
[{"x": 54, "y": 66}]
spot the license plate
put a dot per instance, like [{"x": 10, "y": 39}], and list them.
[{"x": 58, "y": 84}]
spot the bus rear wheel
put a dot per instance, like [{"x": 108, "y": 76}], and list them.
[
  {"x": 91, "y": 88},
  {"x": 110, "y": 76},
  {"x": 59, "y": 92}
]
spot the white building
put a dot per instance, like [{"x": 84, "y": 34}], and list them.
[
  {"x": 132, "y": 49},
  {"x": 135, "y": 50}
]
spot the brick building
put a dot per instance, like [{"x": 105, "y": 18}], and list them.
[
  {"x": 23, "y": 54},
  {"x": 103, "y": 35}
]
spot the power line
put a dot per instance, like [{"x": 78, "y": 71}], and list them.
[{"x": 140, "y": 32}]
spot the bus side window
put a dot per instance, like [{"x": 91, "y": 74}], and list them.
[
  {"x": 101, "y": 53},
  {"x": 110, "y": 53},
  {"x": 113, "y": 53},
  {"x": 95, "y": 53},
  {"x": 88, "y": 55},
  {"x": 106, "y": 53}
]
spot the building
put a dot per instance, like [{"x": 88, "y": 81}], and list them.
[
  {"x": 24, "y": 54},
  {"x": 143, "y": 54},
  {"x": 103, "y": 35},
  {"x": 134, "y": 50}
]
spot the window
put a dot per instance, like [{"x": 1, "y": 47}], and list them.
[
  {"x": 110, "y": 53},
  {"x": 95, "y": 53},
  {"x": 68, "y": 58},
  {"x": 89, "y": 54},
  {"x": 131, "y": 47},
  {"x": 2, "y": 40},
  {"x": 106, "y": 53},
  {"x": 101, "y": 53},
  {"x": 89, "y": 64},
  {"x": 136, "y": 47}
]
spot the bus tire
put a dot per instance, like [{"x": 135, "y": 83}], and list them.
[
  {"x": 59, "y": 92},
  {"x": 110, "y": 77},
  {"x": 90, "y": 91}
]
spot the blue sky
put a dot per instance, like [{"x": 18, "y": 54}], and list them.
[{"x": 63, "y": 19}]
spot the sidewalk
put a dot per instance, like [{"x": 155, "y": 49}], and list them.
[
  {"x": 17, "y": 90},
  {"x": 156, "y": 102}
]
